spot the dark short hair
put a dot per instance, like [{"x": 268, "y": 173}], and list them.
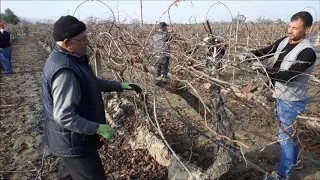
[
  {"x": 163, "y": 24},
  {"x": 304, "y": 16}
]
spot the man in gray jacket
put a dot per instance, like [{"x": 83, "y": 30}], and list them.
[
  {"x": 73, "y": 105},
  {"x": 161, "y": 51},
  {"x": 293, "y": 62}
]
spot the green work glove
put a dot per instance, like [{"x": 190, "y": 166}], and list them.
[
  {"x": 106, "y": 131},
  {"x": 131, "y": 86}
]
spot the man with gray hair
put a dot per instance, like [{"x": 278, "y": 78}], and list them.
[
  {"x": 73, "y": 106},
  {"x": 161, "y": 51}
]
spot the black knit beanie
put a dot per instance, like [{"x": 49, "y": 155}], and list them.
[{"x": 67, "y": 27}]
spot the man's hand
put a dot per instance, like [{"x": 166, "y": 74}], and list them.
[
  {"x": 244, "y": 56},
  {"x": 260, "y": 68},
  {"x": 257, "y": 66},
  {"x": 106, "y": 131},
  {"x": 131, "y": 86}
]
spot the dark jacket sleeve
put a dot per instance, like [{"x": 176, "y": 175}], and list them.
[
  {"x": 109, "y": 85},
  {"x": 305, "y": 59},
  {"x": 268, "y": 50}
]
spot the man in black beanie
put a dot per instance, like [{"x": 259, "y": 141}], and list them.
[{"x": 73, "y": 106}]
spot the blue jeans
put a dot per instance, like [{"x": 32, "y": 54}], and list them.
[
  {"x": 287, "y": 113},
  {"x": 5, "y": 57}
]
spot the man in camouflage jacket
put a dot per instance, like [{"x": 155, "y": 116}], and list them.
[{"x": 161, "y": 51}]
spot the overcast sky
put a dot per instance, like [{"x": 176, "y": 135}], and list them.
[{"x": 187, "y": 11}]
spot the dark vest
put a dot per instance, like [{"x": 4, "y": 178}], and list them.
[{"x": 59, "y": 140}]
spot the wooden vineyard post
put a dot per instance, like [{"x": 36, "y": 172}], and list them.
[
  {"x": 235, "y": 48},
  {"x": 141, "y": 17},
  {"x": 97, "y": 63}
]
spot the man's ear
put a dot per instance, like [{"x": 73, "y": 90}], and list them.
[
  {"x": 308, "y": 30},
  {"x": 67, "y": 44}
]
